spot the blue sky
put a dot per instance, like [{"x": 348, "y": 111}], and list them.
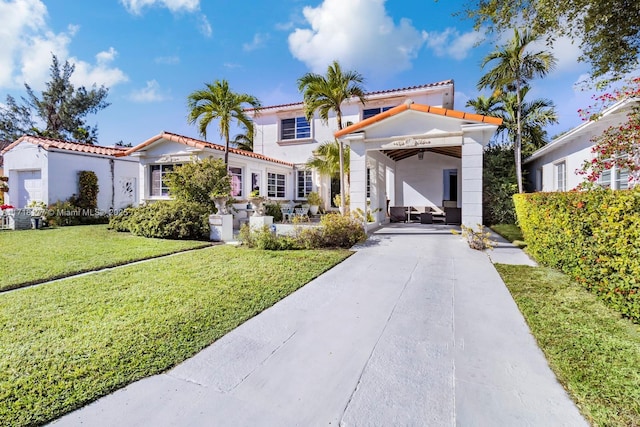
[{"x": 153, "y": 53}]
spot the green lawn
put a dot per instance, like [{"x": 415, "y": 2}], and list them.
[
  {"x": 66, "y": 344},
  {"x": 511, "y": 232},
  {"x": 33, "y": 256},
  {"x": 594, "y": 353}
]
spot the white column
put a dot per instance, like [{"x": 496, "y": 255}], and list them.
[
  {"x": 472, "y": 152},
  {"x": 358, "y": 175}
]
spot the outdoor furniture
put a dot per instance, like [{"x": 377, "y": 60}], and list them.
[
  {"x": 426, "y": 218},
  {"x": 287, "y": 213},
  {"x": 398, "y": 214},
  {"x": 452, "y": 216},
  {"x": 301, "y": 211}
]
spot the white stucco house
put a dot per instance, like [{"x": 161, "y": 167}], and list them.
[
  {"x": 553, "y": 167},
  {"x": 46, "y": 170},
  {"x": 408, "y": 148}
]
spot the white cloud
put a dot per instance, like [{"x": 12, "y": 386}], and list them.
[
  {"x": 257, "y": 42},
  {"x": 231, "y": 65},
  {"x": 150, "y": 93},
  {"x": 566, "y": 53},
  {"x": 27, "y": 43},
  {"x": 451, "y": 43},
  {"x": 359, "y": 34},
  {"x": 204, "y": 26},
  {"x": 101, "y": 73},
  {"x": 167, "y": 60},
  {"x": 284, "y": 26},
  {"x": 135, "y": 6}
]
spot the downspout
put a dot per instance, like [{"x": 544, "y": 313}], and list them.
[{"x": 112, "y": 165}]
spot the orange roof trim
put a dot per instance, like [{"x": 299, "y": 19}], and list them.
[
  {"x": 48, "y": 143},
  {"x": 196, "y": 143},
  {"x": 419, "y": 107}
]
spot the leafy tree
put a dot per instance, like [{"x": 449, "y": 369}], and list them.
[
  {"x": 327, "y": 93},
  {"x": 61, "y": 107},
  {"x": 618, "y": 145},
  {"x": 513, "y": 67},
  {"x": 498, "y": 185},
  {"x": 219, "y": 102},
  {"x": 608, "y": 31},
  {"x": 199, "y": 182}
]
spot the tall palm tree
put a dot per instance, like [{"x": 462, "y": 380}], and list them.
[
  {"x": 244, "y": 140},
  {"x": 327, "y": 93},
  {"x": 513, "y": 66},
  {"x": 219, "y": 102},
  {"x": 326, "y": 159}
]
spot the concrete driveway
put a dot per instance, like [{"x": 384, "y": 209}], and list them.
[{"x": 414, "y": 329}]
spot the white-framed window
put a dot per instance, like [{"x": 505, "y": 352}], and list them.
[
  {"x": 236, "y": 181},
  {"x": 275, "y": 185},
  {"x": 370, "y": 112},
  {"x": 540, "y": 179},
  {"x": 295, "y": 128},
  {"x": 157, "y": 175},
  {"x": 605, "y": 179},
  {"x": 621, "y": 178},
  {"x": 305, "y": 183},
  {"x": 561, "y": 176}
]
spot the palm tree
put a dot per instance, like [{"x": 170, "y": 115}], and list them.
[
  {"x": 514, "y": 67},
  {"x": 219, "y": 102},
  {"x": 326, "y": 159},
  {"x": 244, "y": 140},
  {"x": 327, "y": 93},
  {"x": 534, "y": 116}
]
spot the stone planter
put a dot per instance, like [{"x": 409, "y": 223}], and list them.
[
  {"x": 221, "y": 228},
  {"x": 258, "y": 206}
]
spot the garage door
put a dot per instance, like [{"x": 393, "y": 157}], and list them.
[{"x": 29, "y": 187}]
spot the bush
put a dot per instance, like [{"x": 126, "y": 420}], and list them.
[
  {"x": 87, "y": 191},
  {"x": 169, "y": 219},
  {"x": 273, "y": 209},
  {"x": 200, "y": 182},
  {"x": 499, "y": 185},
  {"x": 592, "y": 236},
  {"x": 335, "y": 231},
  {"x": 68, "y": 213}
]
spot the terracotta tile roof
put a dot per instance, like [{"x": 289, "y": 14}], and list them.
[
  {"x": 48, "y": 143},
  {"x": 196, "y": 143},
  {"x": 419, "y": 107},
  {"x": 379, "y": 92}
]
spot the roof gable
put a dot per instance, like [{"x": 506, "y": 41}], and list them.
[
  {"x": 199, "y": 144},
  {"x": 48, "y": 143},
  {"x": 410, "y": 106}
]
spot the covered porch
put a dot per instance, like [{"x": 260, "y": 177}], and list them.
[{"x": 419, "y": 157}]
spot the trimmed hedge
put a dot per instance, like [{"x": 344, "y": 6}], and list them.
[{"x": 593, "y": 236}]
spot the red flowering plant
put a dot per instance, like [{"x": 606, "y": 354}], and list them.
[
  {"x": 618, "y": 145},
  {"x": 4, "y": 207}
]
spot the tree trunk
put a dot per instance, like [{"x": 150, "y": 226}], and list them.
[
  {"x": 517, "y": 149},
  {"x": 226, "y": 151},
  {"x": 343, "y": 205}
]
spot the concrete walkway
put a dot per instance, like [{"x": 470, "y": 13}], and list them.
[{"x": 415, "y": 329}]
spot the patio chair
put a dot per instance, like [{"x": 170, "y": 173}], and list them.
[{"x": 398, "y": 214}]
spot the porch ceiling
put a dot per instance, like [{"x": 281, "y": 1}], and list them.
[{"x": 405, "y": 153}]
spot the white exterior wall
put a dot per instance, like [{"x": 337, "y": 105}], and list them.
[
  {"x": 114, "y": 176},
  {"x": 572, "y": 155},
  {"x": 59, "y": 174},
  {"x": 474, "y": 140},
  {"x": 420, "y": 182}
]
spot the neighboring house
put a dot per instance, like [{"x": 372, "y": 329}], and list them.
[
  {"x": 46, "y": 170},
  {"x": 553, "y": 167},
  {"x": 249, "y": 171}
]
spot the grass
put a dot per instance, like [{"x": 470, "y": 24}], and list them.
[
  {"x": 34, "y": 256},
  {"x": 594, "y": 353},
  {"x": 66, "y": 344},
  {"x": 511, "y": 232}
]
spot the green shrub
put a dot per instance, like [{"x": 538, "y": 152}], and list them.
[
  {"x": 199, "y": 182},
  {"x": 273, "y": 209},
  {"x": 170, "y": 219},
  {"x": 335, "y": 231},
  {"x": 498, "y": 185},
  {"x": 87, "y": 197},
  {"x": 67, "y": 213},
  {"x": 593, "y": 236}
]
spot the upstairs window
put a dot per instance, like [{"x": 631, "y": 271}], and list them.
[
  {"x": 296, "y": 128},
  {"x": 236, "y": 181},
  {"x": 370, "y": 112}
]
